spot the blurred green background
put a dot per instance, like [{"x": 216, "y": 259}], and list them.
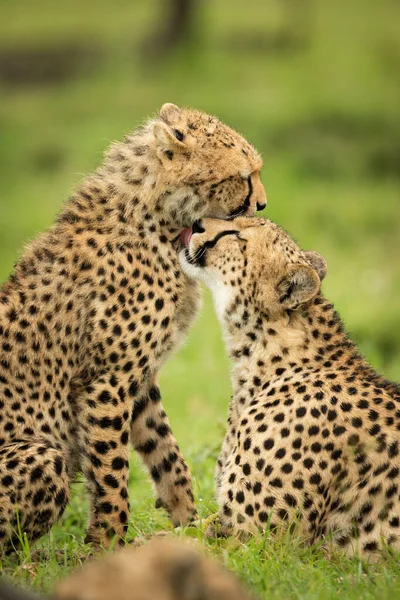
[{"x": 314, "y": 85}]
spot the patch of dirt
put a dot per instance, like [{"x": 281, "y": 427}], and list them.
[{"x": 46, "y": 65}]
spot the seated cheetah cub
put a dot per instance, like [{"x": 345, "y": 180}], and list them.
[
  {"x": 92, "y": 311},
  {"x": 165, "y": 569},
  {"x": 313, "y": 431}
]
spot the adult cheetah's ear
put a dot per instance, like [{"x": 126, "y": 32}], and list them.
[
  {"x": 317, "y": 262},
  {"x": 300, "y": 285}
]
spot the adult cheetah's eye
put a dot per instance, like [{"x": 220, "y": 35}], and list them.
[{"x": 178, "y": 134}]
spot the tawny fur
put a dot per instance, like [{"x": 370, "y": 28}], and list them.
[
  {"x": 161, "y": 570},
  {"x": 93, "y": 309},
  {"x": 166, "y": 570},
  {"x": 313, "y": 431}
]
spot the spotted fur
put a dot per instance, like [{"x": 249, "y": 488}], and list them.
[
  {"x": 313, "y": 432},
  {"x": 92, "y": 311}
]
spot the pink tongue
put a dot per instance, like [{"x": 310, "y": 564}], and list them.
[{"x": 184, "y": 236}]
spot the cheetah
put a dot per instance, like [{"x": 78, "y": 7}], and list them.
[
  {"x": 166, "y": 569},
  {"x": 313, "y": 432},
  {"x": 93, "y": 309}
]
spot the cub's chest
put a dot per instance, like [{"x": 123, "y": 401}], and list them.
[
  {"x": 179, "y": 294},
  {"x": 189, "y": 305},
  {"x": 148, "y": 284}
]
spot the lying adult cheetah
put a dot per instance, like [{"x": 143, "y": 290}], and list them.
[
  {"x": 313, "y": 430},
  {"x": 165, "y": 569},
  {"x": 92, "y": 311}
]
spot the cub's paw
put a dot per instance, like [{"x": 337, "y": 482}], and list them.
[
  {"x": 180, "y": 513},
  {"x": 103, "y": 537},
  {"x": 160, "y": 504},
  {"x": 213, "y": 528},
  {"x": 92, "y": 537}
]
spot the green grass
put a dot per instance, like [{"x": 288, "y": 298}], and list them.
[{"x": 326, "y": 120}]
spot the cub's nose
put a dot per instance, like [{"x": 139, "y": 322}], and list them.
[
  {"x": 261, "y": 206},
  {"x": 197, "y": 227}
]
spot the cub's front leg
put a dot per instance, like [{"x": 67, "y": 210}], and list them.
[
  {"x": 104, "y": 424},
  {"x": 218, "y": 527},
  {"x": 227, "y": 445},
  {"x": 152, "y": 438}
]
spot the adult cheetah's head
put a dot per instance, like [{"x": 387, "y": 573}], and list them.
[
  {"x": 251, "y": 261},
  {"x": 207, "y": 168}
]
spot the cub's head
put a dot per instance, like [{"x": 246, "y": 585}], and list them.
[
  {"x": 163, "y": 569},
  {"x": 251, "y": 262},
  {"x": 203, "y": 168}
]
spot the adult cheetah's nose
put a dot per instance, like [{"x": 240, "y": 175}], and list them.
[
  {"x": 261, "y": 206},
  {"x": 197, "y": 227}
]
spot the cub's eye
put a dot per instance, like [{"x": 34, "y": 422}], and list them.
[
  {"x": 178, "y": 134},
  {"x": 199, "y": 257}
]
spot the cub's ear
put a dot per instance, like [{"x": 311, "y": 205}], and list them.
[
  {"x": 168, "y": 140},
  {"x": 300, "y": 285},
  {"x": 317, "y": 262},
  {"x": 170, "y": 113},
  {"x": 187, "y": 578}
]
